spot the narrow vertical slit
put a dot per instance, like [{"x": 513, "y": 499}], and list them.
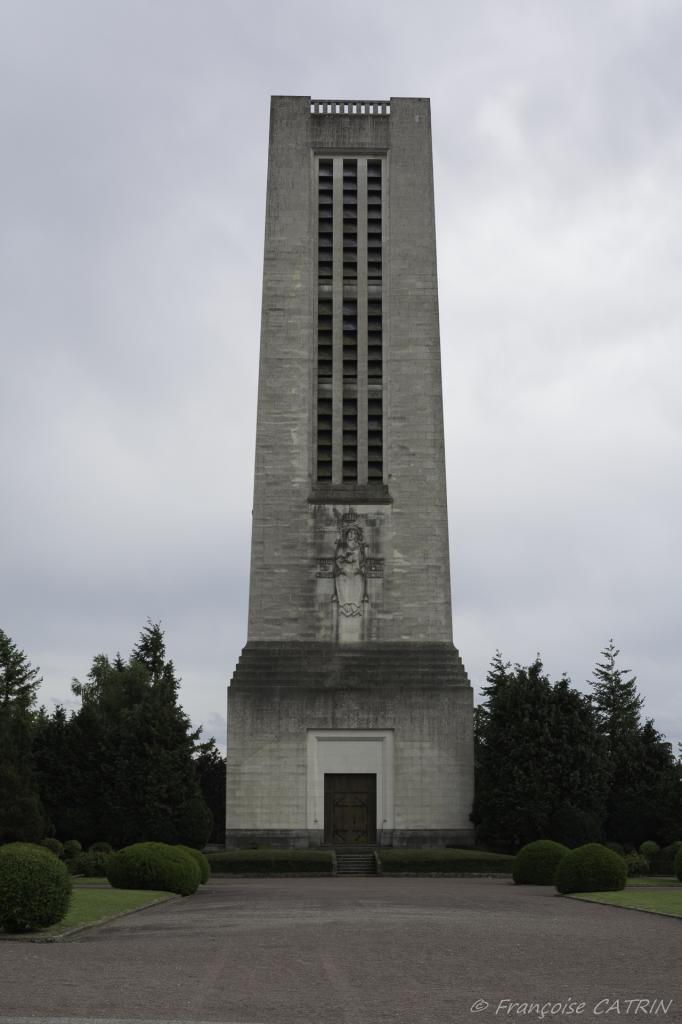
[
  {"x": 375, "y": 333},
  {"x": 325, "y": 243}
]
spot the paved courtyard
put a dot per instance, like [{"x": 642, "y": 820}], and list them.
[{"x": 317, "y": 950}]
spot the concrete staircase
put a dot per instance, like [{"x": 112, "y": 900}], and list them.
[{"x": 355, "y": 861}]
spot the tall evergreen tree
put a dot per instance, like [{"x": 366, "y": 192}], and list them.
[
  {"x": 61, "y": 751},
  {"x": 615, "y": 699},
  {"x": 537, "y": 751},
  {"x": 645, "y": 778},
  {"x": 21, "y": 814},
  {"x": 211, "y": 770},
  {"x": 19, "y": 681},
  {"x": 135, "y": 777},
  {"x": 649, "y": 806},
  {"x": 617, "y": 705}
]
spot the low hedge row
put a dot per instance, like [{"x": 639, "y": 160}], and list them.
[
  {"x": 270, "y": 862},
  {"x": 445, "y": 861}
]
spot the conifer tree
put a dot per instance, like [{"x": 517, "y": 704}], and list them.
[
  {"x": 211, "y": 771},
  {"x": 615, "y": 699},
  {"x": 537, "y": 750},
  {"x": 21, "y": 814},
  {"x": 617, "y": 705},
  {"x": 19, "y": 681},
  {"x": 134, "y": 773},
  {"x": 645, "y": 778}
]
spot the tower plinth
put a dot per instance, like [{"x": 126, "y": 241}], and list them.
[{"x": 350, "y": 712}]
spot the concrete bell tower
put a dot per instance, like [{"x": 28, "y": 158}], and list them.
[{"x": 350, "y": 712}]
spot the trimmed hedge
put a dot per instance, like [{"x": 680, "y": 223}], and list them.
[
  {"x": 53, "y": 845},
  {"x": 154, "y": 866},
  {"x": 35, "y": 888},
  {"x": 93, "y": 864},
  {"x": 663, "y": 862},
  {"x": 649, "y": 848},
  {"x": 445, "y": 861},
  {"x": 270, "y": 862},
  {"x": 678, "y": 863},
  {"x": 200, "y": 859},
  {"x": 100, "y": 848},
  {"x": 31, "y": 847},
  {"x": 637, "y": 864},
  {"x": 72, "y": 848},
  {"x": 536, "y": 863},
  {"x": 591, "y": 868}
]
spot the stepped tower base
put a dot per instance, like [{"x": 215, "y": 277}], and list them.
[{"x": 304, "y": 717}]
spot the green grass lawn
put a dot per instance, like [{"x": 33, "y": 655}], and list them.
[
  {"x": 89, "y": 906},
  {"x": 647, "y": 880},
  {"x": 79, "y": 880},
  {"x": 664, "y": 901}
]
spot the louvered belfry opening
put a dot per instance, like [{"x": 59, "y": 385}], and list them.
[
  {"x": 325, "y": 237},
  {"x": 350, "y": 379},
  {"x": 375, "y": 430}
]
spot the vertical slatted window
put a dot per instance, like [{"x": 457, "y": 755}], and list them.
[
  {"x": 350, "y": 220},
  {"x": 350, "y": 337},
  {"x": 350, "y": 439},
  {"x": 325, "y": 243},
  {"x": 350, "y": 321},
  {"x": 375, "y": 334}
]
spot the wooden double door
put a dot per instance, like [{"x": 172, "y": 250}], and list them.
[{"x": 350, "y": 810}]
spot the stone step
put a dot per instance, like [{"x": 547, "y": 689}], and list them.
[{"x": 355, "y": 863}]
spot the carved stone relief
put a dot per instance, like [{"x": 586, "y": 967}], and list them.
[{"x": 350, "y": 567}]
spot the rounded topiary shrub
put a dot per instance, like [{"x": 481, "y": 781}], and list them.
[
  {"x": 31, "y": 847},
  {"x": 616, "y": 847},
  {"x": 100, "y": 847},
  {"x": 202, "y": 862},
  {"x": 72, "y": 848},
  {"x": 92, "y": 864},
  {"x": 637, "y": 864},
  {"x": 678, "y": 864},
  {"x": 663, "y": 862},
  {"x": 536, "y": 863},
  {"x": 591, "y": 868},
  {"x": 53, "y": 845},
  {"x": 154, "y": 866},
  {"x": 35, "y": 888},
  {"x": 649, "y": 848}
]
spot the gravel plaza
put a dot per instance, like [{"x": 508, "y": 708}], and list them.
[{"x": 368, "y": 949}]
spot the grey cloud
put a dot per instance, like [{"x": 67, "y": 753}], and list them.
[{"x": 133, "y": 186}]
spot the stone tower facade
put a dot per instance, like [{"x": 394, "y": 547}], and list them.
[{"x": 350, "y": 712}]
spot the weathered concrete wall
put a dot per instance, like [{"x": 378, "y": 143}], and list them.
[
  {"x": 432, "y": 761},
  {"x": 416, "y": 584}
]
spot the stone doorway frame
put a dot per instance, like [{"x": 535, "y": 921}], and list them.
[{"x": 347, "y": 752}]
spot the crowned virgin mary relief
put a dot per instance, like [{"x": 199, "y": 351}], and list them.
[
  {"x": 343, "y": 576},
  {"x": 350, "y": 572}
]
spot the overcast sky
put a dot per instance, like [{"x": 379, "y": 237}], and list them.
[{"x": 134, "y": 147}]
